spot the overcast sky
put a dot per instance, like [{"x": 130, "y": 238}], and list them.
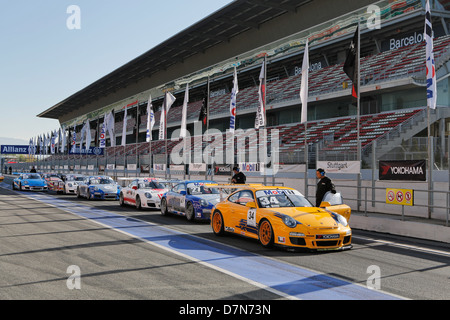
[{"x": 43, "y": 61}]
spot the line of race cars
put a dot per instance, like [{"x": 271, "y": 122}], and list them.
[{"x": 273, "y": 215}]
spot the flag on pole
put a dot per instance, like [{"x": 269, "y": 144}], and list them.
[
  {"x": 260, "y": 120},
  {"x": 183, "y": 131},
  {"x": 233, "y": 109},
  {"x": 203, "y": 117},
  {"x": 41, "y": 145},
  {"x": 431, "y": 67},
  {"x": 169, "y": 99},
  {"x": 150, "y": 119},
  {"x": 30, "y": 147},
  {"x": 304, "y": 85},
  {"x": 52, "y": 142},
  {"x": 351, "y": 64},
  {"x": 124, "y": 128},
  {"x": 103, "y": 133},
  {"x": 110, "y": 123},
  {"x": 74, "y": 138},
  {"x": 63, "y": 144},
  {"x": 83, "y": 132},
  {"x": 88, "y": 134}
]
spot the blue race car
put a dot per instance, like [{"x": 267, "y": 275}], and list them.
[
  {"x": 98, "y": 187},
  {"x": 191, "y": 199},
  {"x": 30, "y": 182}
]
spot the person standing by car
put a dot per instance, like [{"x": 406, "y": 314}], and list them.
[
  {"x": 239, "y": 177},
  {"x": 323, "y": 186}
]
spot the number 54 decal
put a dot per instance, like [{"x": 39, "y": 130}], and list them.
[{"x": 251, "y": 217}]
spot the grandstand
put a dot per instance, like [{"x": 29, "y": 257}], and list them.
[{"x": 393, "y": 92}]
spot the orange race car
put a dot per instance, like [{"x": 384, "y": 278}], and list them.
[{"x": 283, "y": 216}]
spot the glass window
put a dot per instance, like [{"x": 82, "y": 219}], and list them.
[
  {"x": 281, "y": 198},
  {"x": 245, "y": 196}
]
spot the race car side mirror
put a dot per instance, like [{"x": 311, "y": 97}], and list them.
[
  {"x": 325, "y": 204},
  {"x": 250, "y": 204}
]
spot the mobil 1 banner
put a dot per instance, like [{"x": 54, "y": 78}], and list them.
[{"x": 403, "y": 170}]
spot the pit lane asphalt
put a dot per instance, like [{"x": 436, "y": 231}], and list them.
[{"x": 39, "y": 242}]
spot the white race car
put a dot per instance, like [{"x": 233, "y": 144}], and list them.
[
  {"x": 143, "y": 193},
  {"x": 71, "y": 183}
]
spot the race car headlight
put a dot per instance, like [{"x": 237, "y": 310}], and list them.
[
  {"x": 25, "y": 182},
  {"x": 148, "y": 195},
  {"x": 95, "y": 188},
  {"x": 69, "y": 185},
  {"x": 340, "y": 219},
  {"x": 204, "y": 203},
  {"x": 289, "y": 221}
]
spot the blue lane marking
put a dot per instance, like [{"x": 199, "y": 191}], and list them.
[{"x": 283, "y": 277}]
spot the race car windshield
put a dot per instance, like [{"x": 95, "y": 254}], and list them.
[
  {"x": 101, "y": 181},
  {"x": 75, "y": 179},
  {"x": 281, "y": 199},
  {"x": 32, "y": 176},
  {"x": 151, "y": 185},
  {"x": 197, "y": 189}
]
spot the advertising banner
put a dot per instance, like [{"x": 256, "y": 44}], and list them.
[
  {"x": 12, "y": 149},
  {"x": 409, "y": 170},
  {"x": 92, "y": 151},
  {"x": 340, "y": 166}
]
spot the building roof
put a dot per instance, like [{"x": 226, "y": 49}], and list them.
[{"x": 224, "y": 24}]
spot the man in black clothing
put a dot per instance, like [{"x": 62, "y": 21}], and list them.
[
  {"x": 323, "y": 186},
  {"x": 239, "y": 177}
]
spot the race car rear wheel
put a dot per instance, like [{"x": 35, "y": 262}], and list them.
[
  {"x": 217, "y": 223},
  {"x": 190, "y": 212},
  {"x": 265, "y": 234}
]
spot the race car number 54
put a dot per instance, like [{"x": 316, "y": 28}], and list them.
[{"x": 251, "y": 217}]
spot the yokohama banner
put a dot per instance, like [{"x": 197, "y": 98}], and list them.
[{"x": 410, "y": 170}]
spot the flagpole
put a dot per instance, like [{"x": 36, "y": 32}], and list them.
[
  {"x": 137, "y": 135},
  {"x": 165, "y": 133},
  {"x": 431, "y": 97},
  {"x": 207, "y": 128},
  {"x": 358, "y": 61},
  {"x": 265, "y": 121}
]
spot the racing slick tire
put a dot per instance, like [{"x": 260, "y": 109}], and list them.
[
  {"x": 265, "y": 234},
  {"x": 217, "y": 223},
  {"x": 190, "y": 212},
  {"x": 138, "y": 203},
  {"x": 121, "y": 201},
  {"x": 164, "y": 210},
  {"x": 78, "y": 193}
]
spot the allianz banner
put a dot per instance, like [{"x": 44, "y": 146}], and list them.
[
  {"x": 409, "y": 170},
  {"x": 6, "y": 149}
]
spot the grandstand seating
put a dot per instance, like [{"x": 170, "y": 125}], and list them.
[{"x": 339, "y": 134}]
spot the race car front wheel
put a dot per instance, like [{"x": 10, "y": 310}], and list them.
[
  {"x": 164, "y": 210},
  {"x": 265, "y": 234},
  {"x": 217, "y": 223}
]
